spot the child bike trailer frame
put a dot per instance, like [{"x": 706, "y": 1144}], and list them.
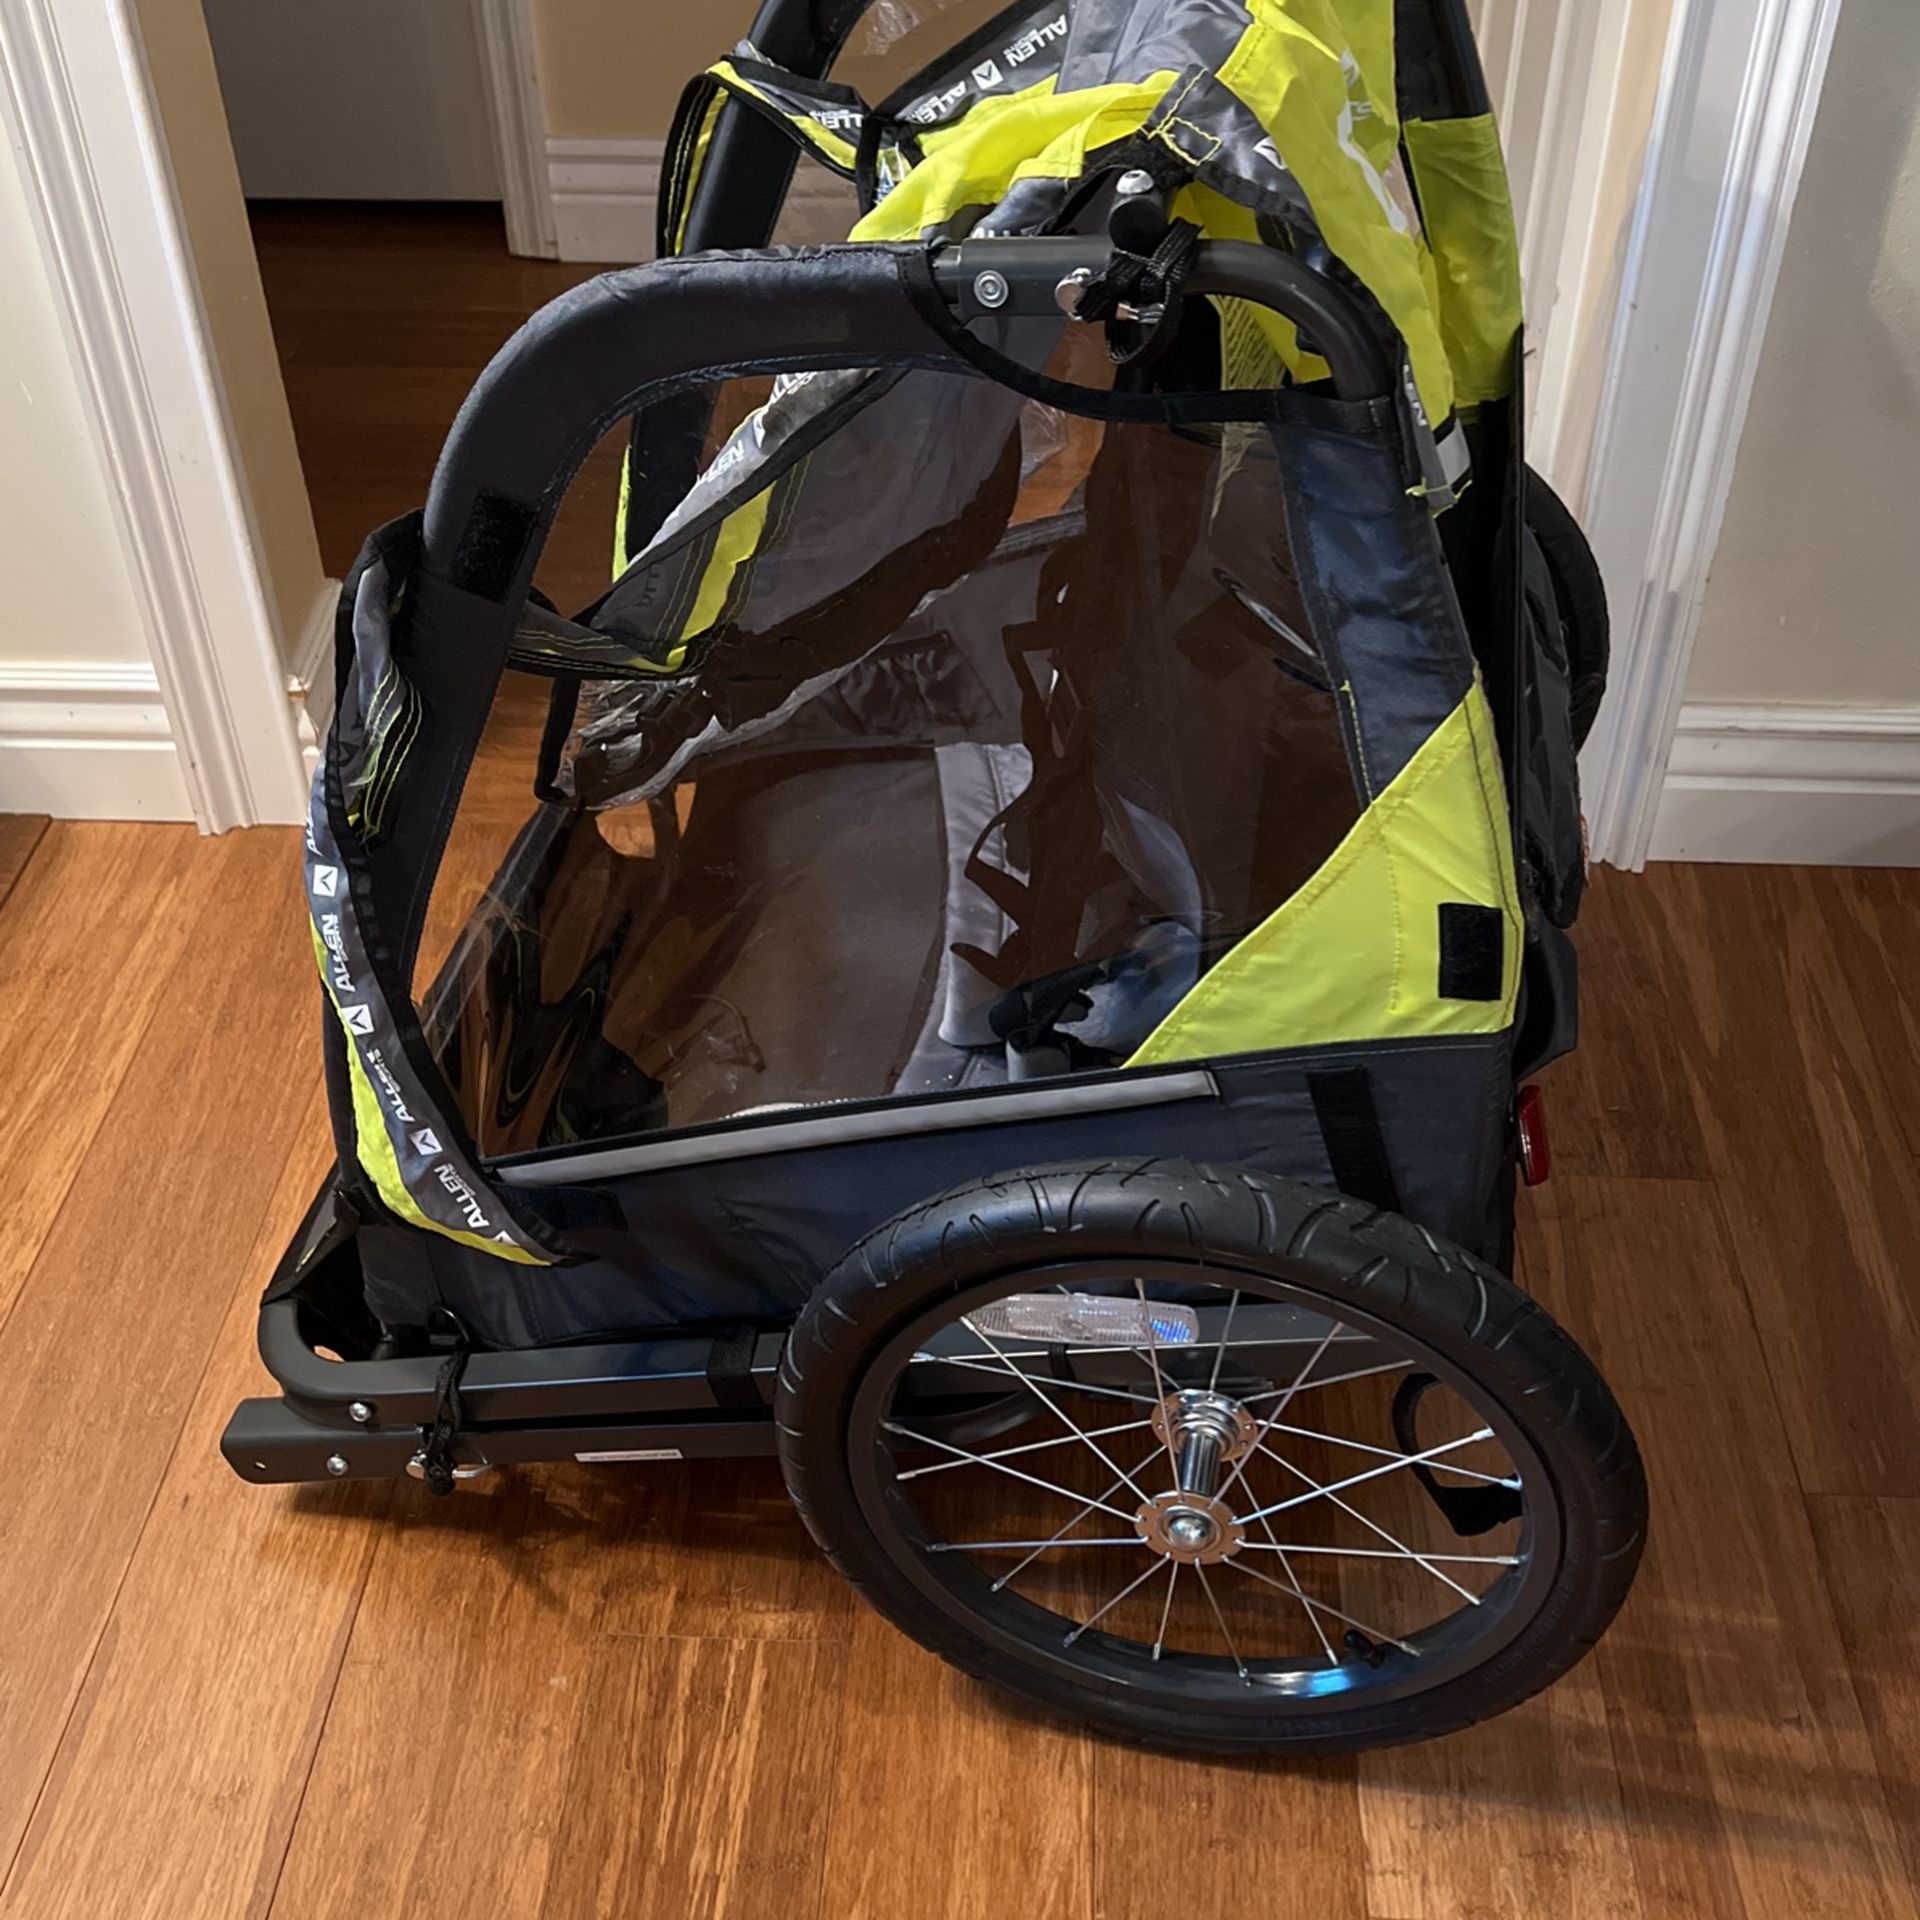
[{"x": 1029, "y": 901}]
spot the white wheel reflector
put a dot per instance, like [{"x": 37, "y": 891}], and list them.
[{"x": 1088, "y": 1320}]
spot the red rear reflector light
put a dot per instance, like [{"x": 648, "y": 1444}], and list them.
[{"x": 1530, "y": 1118}]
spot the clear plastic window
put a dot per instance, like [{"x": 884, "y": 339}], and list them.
[{"x": 952, "y": 752}]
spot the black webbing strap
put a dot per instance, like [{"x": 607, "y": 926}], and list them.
[
  {"x": 1350, "y": 1129},
  {"x": 1135, "y": 281},
  {"x": 436, "y": 1451},
  {"x": 1467, "y": 1510},
  {"x": 730, "y": 1369}
]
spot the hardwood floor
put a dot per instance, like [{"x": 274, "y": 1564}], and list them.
[
  {"x": 19, "y": 835},
  {"x": 578, "y": 1692},
  {"x": 641, "y": 1692},
  {"x": 384, "y": 317}
]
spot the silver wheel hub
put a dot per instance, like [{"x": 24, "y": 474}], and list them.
[
  {"x": 1204, "y": 1433},
  {"x": 1193, "y": 1417},
  {"x": 1195, "y": 1529}
]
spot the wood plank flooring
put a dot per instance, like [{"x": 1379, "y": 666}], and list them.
[
  {"x": 384, "y": 317},
  {"x": 572, "y": 1693},
  {"x": 19, "y": 835},
  {"x": 576, "y": 1692}
]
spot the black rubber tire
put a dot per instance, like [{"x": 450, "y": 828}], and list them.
[
  {"x": 1582, "y": 597},
  {"x": 1171, "y": 1210}
]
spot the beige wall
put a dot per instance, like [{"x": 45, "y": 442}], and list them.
[
  {"x": 64, "y": 583},
  {"x": 1813, "y": 594},
  {"x": 1574, "y": 84},
  {"x": 612, "y": 69},
  {"x": 188, "y": 92}
]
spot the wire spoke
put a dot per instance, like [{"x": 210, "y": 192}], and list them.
[
  {"x": 1006, "y": 1579},
  {"x": 1331, "y": 1380},
  {"x": 1380, "y": 1553},
  {"x": 1159, "y": 1385},
  {"x": 1066, "y": 1420},
  {"x": 1013, "y": 1473},
  {"x": 1226, "y": 1340},
  {"x": 1511, "y": 1481},
  {"x": 1030, "y": 1446},
  {"x": 1220, "y": 1619},
  {"x": 1085, "y": 1625},
  {"x": 1166, "y": 1610},
  {"x": 1286, "y": 1567},
  {"x": 1321, "y": 1606},
  {"x": 1013, "y": 1546},
  {"x": 1299, "y": 1593},
  {"x": 1372, "y": 1526},
  {"x": 1266, "y": 1426},
  {"x": 1372, "y": 1473}
]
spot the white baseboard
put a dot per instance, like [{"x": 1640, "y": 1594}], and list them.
[
  {"x": 77, "y": 107},
  {"x": 606, "y": 200},
  {"x": 87, "y": 740},
  {"x": 310, "y": 675},
  {"x": 1809, "y": 785}
]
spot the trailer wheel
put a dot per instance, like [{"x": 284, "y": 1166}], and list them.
[{"x": 1294, "y": 1475}]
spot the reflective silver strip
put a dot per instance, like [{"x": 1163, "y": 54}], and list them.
[{"x": 828, "y": 1127}]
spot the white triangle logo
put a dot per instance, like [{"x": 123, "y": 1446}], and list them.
[
  {"x": 326, "y": 880},
  {"x": 987, "y": 73},
  {"x": 504, "y": 1239},
  {"x": 358, "y": 1019},
  {"x": 426, "y": 1141}
]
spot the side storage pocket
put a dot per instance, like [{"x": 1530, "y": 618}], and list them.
[{"x": 1566, "y": 626}]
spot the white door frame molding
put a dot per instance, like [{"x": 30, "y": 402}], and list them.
[
  {"x": 1738, "y": 95},
  {"x": 77, "y": 100},
  {"x": 1573, "y": 86},
  {"x": 512, "y": 65}
]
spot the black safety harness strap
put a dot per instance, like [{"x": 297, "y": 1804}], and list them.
[{"x": 1350, "y": 1130}]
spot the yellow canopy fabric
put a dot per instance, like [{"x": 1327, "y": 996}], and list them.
[{"x": 1313, "y": 82}]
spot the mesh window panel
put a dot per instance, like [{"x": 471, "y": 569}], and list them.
[{"x": 953, "y": 747}]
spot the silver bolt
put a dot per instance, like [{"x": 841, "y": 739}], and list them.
[
  {"x": 337, "y": 1465},
  {"x": 1134, "y": 180},
  {"x": 991, "y": 288},
  {"x": 1190, "y": 1530},
  {"x": 1069, "y": 293},
  {"x": 361, "y": 1412}
]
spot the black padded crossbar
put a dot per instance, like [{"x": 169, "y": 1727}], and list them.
[{"x": 581, "y": 363}]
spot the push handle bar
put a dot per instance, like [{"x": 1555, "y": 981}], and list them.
[
  {"x": 581, "y": 363},
  {"x": 1034, "y": 272}
]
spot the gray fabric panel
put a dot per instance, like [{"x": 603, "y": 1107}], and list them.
[
  {"x": 1375, "y": 583},
  {"x": 1021, "y": 56},
  {"x": 751, "y": 1238}
]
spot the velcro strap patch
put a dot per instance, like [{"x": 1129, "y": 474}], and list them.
[
  {"x": 492, "y": 543},
  {"x": 1472, "y": 952}
]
